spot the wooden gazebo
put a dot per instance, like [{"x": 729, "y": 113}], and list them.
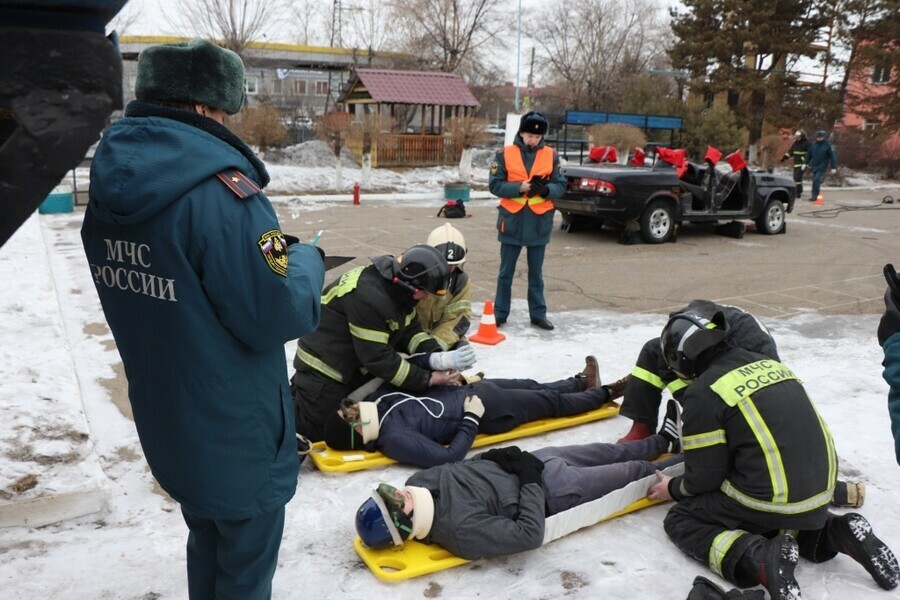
[{"x": 412, "y": 106}]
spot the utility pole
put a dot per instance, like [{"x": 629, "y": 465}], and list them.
[
  {"x": 518, "y": 51},
  {"x": 529, "y": 92}
]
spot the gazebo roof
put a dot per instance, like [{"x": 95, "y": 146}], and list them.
[{"x": 410, "y": 87}]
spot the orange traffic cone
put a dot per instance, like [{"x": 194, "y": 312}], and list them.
[
  {"x": 819, "y": 200},
  {"x": 487, "y": 330}
]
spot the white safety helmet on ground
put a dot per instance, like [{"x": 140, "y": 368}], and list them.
[{"x": 450, "y": 242}]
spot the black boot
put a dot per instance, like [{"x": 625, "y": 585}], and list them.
[
  {"x": 704, "y": 589},
  {"x": 771, "y": 563},
  {"x": 852, "y": 535}
]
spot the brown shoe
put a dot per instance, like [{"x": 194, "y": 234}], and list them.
[
  {"x": 591, "y": 373},
  {"x": 617, "y": 388}
]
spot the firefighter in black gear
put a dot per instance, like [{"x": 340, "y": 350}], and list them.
[
  {"x": 651, "y": 375},
  {"x": 758, "y": 460},
  {"x": 368, "y": 319},
  {"x": 799, "y": 151}
]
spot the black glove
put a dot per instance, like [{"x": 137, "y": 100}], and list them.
[
  {"x": 539, "y": 187},
  {"x": 505, "y": 457},
  {"x": 293, "y": 239},
  {"x": 529, "y": 468},
  {"x": 890, "y": 321},
  {"x": 784, "y": 158}
]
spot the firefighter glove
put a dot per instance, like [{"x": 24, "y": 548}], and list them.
[{"x": 459, "y": 359}]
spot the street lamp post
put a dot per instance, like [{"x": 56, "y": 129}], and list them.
[{"x": 518, "y": 51}]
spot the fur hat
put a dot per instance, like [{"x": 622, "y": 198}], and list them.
[
  {"x": 196, "y": 72},
  {"x": 339, "y": 435},
  {"x": 534, "y": 122}
]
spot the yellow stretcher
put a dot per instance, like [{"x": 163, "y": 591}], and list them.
[
  {"x": 346, "y": 461},
  {"x": 414, "y": 559}
]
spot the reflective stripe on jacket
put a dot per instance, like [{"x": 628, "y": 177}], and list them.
[
  {"x": 752, "y": 433},
  {"x": 515, "y": 171}
]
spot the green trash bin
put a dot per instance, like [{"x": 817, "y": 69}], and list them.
[
  {"x": 60, "y": 200},
  {"x": 456, "y": 191}
]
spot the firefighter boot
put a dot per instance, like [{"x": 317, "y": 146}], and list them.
[
  {"x": 638, "y": 431},
  {"x": 771, "y": 563},
  {"x": 851, "y": 534},
  {"x": 704, "y": 589}
]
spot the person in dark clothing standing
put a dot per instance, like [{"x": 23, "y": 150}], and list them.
[
  {"x": 759, "y": 462},
  {"x": 821, "y": 157},
  {"x": 888, "y": 338},
  {"x": 368, "y": 320},
  {"x": 525, "y": 175},
  {"x": 201, "y": 290},
  {"x": 799, "y": 151}
]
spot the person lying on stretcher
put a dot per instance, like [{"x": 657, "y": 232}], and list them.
[
  {"x": 439, "y": 426},
  {"x": 496, "y": 503}
]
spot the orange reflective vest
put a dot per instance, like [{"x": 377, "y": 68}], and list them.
[{"x": 515, "y": 171}]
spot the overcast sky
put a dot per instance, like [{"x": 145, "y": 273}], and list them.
[{"x": 149, "y": 17}]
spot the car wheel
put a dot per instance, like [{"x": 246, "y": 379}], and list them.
[
  {"x": 657, "y": 222},
  {"x": 771, "y": 220}
]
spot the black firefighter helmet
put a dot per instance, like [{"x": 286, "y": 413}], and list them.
[
  {"x": 422, "y": 267},
  {"x": 686, "y": 336}
]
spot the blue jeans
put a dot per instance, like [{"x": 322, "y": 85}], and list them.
[
  {"x": 509, "y": 255},
  {"x": 232, "y": 559}
]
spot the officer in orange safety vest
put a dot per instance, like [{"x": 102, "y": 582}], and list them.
[{"x": 525, "y": 175}]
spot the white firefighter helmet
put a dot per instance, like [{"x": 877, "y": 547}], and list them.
[{"x": 450, "y": 242}]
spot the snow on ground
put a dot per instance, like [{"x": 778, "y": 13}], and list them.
[{"x": 63, "y": 436}]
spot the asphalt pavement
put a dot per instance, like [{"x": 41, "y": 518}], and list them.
[{"x": 829, "y": 260}]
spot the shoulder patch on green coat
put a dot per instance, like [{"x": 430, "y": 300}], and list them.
[
  {"x": 274, "y": 250},
  {"x": 237, "y": 182}
]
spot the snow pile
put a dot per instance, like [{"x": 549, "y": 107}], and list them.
[{"x": 314, "y": 153}]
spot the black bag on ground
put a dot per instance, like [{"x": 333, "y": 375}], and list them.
[{"x": 453, "y": 209}]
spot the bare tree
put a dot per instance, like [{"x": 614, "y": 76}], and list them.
[
  {"x": 448, "y": 33},
  {"x": 364, "y": 130},
  {"x": 311, "y": 22},
  {"x": 333, "y": 128},
  {"x": 125, "y": 19},
  {"x": 232, "y": 23},
  {"x": 468, "y": 132},
  {"x": 261, "y": 126},
  {"x": 592, "y": 47},
  {"x": 367, "y": 28}
]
